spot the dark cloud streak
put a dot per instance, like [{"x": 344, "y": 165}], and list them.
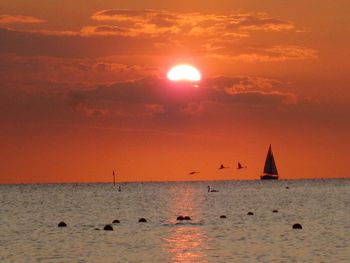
[{"x": 71, "y": 46}]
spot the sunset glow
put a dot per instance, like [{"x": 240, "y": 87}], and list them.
[{"x": 159, "y": 89}]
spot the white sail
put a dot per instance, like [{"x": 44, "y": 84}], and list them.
[{"x": 270, "y": 165}]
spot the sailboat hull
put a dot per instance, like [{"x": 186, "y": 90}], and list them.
[{"x": 269, "y": 177}]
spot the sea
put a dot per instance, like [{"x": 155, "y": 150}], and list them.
[{"x": 30, "y": 215}]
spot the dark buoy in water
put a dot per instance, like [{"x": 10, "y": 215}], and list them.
[
  {"x": 250, "y": 213},
  {"x": 180, "y": 218},
  {"x": 142, "y": 220},
  {"x": 62, "y": 224},
  {"x": 108, "y": 228},
  {"x": 275, "y": 211},
  {"x": 222, "y": 216},
  {"x": 116, "y": 221},
  {"x": 97, "y": 228},
  {"x": 287, "y": 187},
  {"x": 297, "y": 226},
  {"x": 187, "y": 218}
]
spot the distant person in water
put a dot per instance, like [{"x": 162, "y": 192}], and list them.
[{"x": 119, "y": 189}]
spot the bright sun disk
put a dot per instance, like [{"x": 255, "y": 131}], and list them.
[{"x": 184, "y": 73}]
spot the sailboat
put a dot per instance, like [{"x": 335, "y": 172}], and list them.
[{"x": 270, "y": 169}]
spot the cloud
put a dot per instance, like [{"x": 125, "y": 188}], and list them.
[
  {"x": 24, "y": 69},
  {"x": 157, "y": 22},
  {"x": 271, "y": 54},
  {"x": 154, "y": 96},
  {"x": 20, "y": 19},
  {"x": 261, "y": 97},
  {"x": 105, "y": 41},
  {"x": 71, "y": 45},
  {"x": 252, "y": 91},
  {"x": 158, "y": 33},
  {"x": 154, "y": 102},
  {"x": 262, "y": 22},
  {"x": 160, "y": 18},
  {"x": 134, "y": 98},
  {"x": 105, "y": 30},
  {"x": 243, "y": 83},
  {"x": 291, "y": 53}
]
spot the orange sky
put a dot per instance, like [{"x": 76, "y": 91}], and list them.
[{"x": 84, "y": 90}]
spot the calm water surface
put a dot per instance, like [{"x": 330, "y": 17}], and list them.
[{"x": 30, "y": 213}]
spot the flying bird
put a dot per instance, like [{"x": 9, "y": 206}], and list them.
[
  {"x": 223, "y": 167},
  {"x": 239, "y": 166},
  {"x": 194, "y": 172}
]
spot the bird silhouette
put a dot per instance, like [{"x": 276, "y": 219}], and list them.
[
  {"x": 211, "y": 190},
  {"x": 239, "y": 166},
  {"x": 194, "y": 172},
  {"x": 223, "y": 167}
]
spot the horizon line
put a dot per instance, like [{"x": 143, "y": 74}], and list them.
[{"x": 172, "y": 181}]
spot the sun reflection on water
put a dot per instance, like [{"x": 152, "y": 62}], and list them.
[
  {"x": 186, "y": 241},
  {"x": 186, "y": 244}
]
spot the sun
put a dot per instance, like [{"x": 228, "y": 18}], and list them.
[{"x": 184, "y": 73}]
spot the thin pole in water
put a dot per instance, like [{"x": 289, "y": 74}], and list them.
[{"x": 113, "y": 178}]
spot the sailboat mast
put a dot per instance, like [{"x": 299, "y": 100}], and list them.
[{"x": 113, "y": 178}]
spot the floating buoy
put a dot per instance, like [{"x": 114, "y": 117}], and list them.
[
  {"x": 187, "y": 218},
  {"x": 287, "y": 187},
  {"x": 116, "y": 221},
  {"x": 222, "y": 216},
  {"x": 275, "y": 211},
  {"x": 180, "y": 218},
  {"x": 108, "y": 228},
  {"x": 97, "y": 228},
  {"x": 297, "y": 226},
  {"x": 250, "y": 213},
  {"x": 142, "y": 220},
  {"x": 62, "y": 224}
]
